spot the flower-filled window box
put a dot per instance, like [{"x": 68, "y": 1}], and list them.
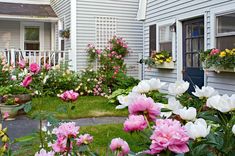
[
  {"x": 65, "y": 33},
  {"x": 161, "y": 60},
  {"x": 218, "y": 61}
]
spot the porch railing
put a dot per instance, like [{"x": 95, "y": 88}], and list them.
[{"x": 40, "y": 57}]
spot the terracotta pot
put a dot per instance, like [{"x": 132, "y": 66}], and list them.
[
  {"x": 22, "y": 98},
  {"x": 9, "y": 109}
]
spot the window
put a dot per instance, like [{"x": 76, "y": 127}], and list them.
[
  {"x": 165, "y": 38},
  {"x": 225, "y": 35},
  {"x": 31, "y": 38},
  {"x": 152, "y": 39}
]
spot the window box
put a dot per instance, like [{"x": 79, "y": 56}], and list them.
[
  {"x": 219, "y": 70},
  {"x": 164, "y": 65}
]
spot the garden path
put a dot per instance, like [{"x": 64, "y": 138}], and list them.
[{"x": 24, "y": 126}]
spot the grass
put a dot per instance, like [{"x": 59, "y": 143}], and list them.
[
  {"x": 84, "y": 107},
  {"x": 103, "y": 134}
]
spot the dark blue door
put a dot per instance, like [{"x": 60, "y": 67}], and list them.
[{"x": 193, "y": 43}]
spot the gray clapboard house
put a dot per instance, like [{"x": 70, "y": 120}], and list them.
[
  {"x": 186, "y": 27},
  {"x": 32, "y": 28}
]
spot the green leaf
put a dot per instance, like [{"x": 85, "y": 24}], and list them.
[
  {"x": 27, "y": 107},
  {"x": 25, "y": 138}
]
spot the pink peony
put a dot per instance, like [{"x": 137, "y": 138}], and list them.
[
  {"x": 135, "y": 123},
  {"x": 69, "y": 96},
  {"x": 21, "y": 64},
  {"x": 43, "y": 152},
  {"x": 27, "y": 80},
  {"x": 47, "y": 67},
  {"x": 119, "y": 146},
  {"x": 60, "y": 145},
  {"x": 84, "y": 139},
  {"x": 214, "y": 51},
  {"x": 169, "y": 134},
  {"x": 34, "y": 68},
  {"x": 66, "y": 130},
  {"x": 145, "y": 106}
]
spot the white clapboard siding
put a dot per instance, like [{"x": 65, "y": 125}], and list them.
[
  {"x": 9, "y": 34},
  {"x": 128, "y": 27},
  {"x": 63, "y": 10},
  {"x": 161, "y": 10}
]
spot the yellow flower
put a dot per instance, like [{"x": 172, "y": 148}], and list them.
[
  {"x": 222, "y": 54},
  {"x": 168, "y": 60}
]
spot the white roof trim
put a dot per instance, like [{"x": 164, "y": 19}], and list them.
[
  {"x": 29, "y": 18},
  {"x": 141, "y": 14},
  {"x": 27, "y": 1}
]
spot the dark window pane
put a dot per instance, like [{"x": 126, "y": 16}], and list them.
[
  {"x": 152, "y": 39},
  {"x": 226, "y": 23},
  {"x": 195, "y": 32},
  {"x": 195, "y": 60},
  {"x": 188, "y": 31},
  {"x": 188, "y": 60},
  {"x": 227, "y": 42},
  {"x": 195, "y": 45},
  {"x": 32, "y": 33},
  {"x": 31, "y": 46},
  {"x": 188, "y": 45},
  {"x": 167, "y": 46}
]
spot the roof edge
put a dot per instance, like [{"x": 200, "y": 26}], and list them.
[{"x": 41, "y": 2}]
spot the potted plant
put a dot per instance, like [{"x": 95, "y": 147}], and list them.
[
  {"x": 3, "y": 91},
  {"x": 20, "y": 93},
  {"x": 219, "y": 61},
  {"x": 9, "y": 105},
  {"x": 162, "y": 59},
  {"x": 65, "y": 33}
]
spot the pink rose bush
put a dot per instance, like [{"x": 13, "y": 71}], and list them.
[
  {"x": 120, "y": 147},
  {"x": 27, "y": 80},
  {"x": 34, "y": 68},
  {"x": 69, "y": 96}
]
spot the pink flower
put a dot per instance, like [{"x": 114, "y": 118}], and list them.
[
  {"x": 34, "y": 68},
  {"x": 5, "y": 115},
  {"x": 84, "y": 139},
  {"x": 66, "y": 130},
  {"x": 69, "y": 96},
  {"x": 98, "y": 51},
  {"x": 60, "y": 145},
  {"x": 145, "y": 106},
  {"x": 214, "y": 51},
  {"x": 21, "y": 63},
  {"x": 27, "y": 80},
  {"x": 135, "y": 123},
  {"x": 119, "y": 146},
  {"x": 47, "y": 66},
  {"x": 43, "y": 152},
  {"x": 169, "y": 134}
]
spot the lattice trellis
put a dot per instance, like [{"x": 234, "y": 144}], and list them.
[{"x": 106, "y": 28}]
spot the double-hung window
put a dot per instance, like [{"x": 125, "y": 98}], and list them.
[
  {"x": 31, "y": 38},
  {"x": 225, "y": 31},
  {"x": 165, "y": 38}
]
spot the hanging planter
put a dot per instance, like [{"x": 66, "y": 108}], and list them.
[{"x": 65, "y": 33}]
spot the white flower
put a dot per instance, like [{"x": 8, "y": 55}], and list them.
[
  {"x": 43, "y": 152},
  {"x": 233, "y": 129},
  {"x": 164, "y": 114},
  {"x": 198, "y": 129},
  {"x": 188, "y": 114},
  {"x": 174, "y": 105},
  {"x": 45, "y": 79},
  {"x": 222, "y": 103},
  {"x": 142, "y": 87},
  {"x": 178, "y": 88},
  {"x": 155, "y": 84},
  {"x": 44, "y": 128},
  {"x": 206, "y": 92},
  {"x": 125, "y": 101}
]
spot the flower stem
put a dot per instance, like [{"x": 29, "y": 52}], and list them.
[{"x": 147, "y": 122}]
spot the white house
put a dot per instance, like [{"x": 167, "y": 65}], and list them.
[{"x": 186, "y": 27}]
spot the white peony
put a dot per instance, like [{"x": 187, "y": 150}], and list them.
[
  {"x": 142, "y": 87},
  {"x": 155, "y": 84},
  {"x": 125, "y": 101},
  {"x": 205, "y": 92},
  {"x": 233, "y": 129},
  {"x": 174, "y": 105},
  {"x": 188, "y": 114},
  {"x": 222, "y": 103},
  {"x": 178, "y": 88},
  {"x": 198, "y": 129}
]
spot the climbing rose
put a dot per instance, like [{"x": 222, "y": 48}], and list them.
[
  {"x": 135, "y": 123},
  {"x": 43, "y": 152},
  {"x": 168, "y": 134},
  {"x": 27, "y": 80},
  {"x": 145, "y": 106},
  {"x": 69, "y": 96},
  {"x": 84, "y": 139},
  {"x": 120, "y": 146},
  {"x": 34, "y": 68},
  {"x": 66, "y": 130}
]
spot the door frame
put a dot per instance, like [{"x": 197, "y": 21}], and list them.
[{"x": 179, "y": 30}]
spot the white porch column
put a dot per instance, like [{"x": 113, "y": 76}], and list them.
[
  {"x": 52, "y": 36},
  {"x": 73, "y": 36}
]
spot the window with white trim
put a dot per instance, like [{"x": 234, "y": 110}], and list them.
[
  {"x": 225, "y": 31},
  {"x": 31, "y": 38},
  {"x": 165, "y": 38},
  {"x": 105, "y": 30}
]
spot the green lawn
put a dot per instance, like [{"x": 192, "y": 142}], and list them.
[
  {"x": 84, "y": 107},
  {"x": 103, "y": 134}
]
